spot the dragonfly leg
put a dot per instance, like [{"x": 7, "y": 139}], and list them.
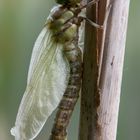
[
  {"x": 91, "y": 22},
  {"x": 96, "y": 25},
  {"x": 83, "y": 5}
]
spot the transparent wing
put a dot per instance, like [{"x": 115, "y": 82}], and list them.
[
  {"x": 47, "y": 80},
  {"x": 81, "y": 31}
]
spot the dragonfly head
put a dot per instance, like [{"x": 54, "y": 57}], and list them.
[{"x": 68, "y": 3}]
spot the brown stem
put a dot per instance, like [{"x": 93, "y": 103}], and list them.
[{"x": 103, "y": 66}]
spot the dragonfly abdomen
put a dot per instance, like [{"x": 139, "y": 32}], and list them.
[{"x": 70, "y": 96}]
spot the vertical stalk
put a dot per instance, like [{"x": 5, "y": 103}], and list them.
[{"x": 102, "y": 74}]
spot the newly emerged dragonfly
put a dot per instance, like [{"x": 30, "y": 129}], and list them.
[{"x": 54, "y": 77}]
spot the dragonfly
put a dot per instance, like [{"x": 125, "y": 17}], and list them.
[{"x": 55, "y": 73}]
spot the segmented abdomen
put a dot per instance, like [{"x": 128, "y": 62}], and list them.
[{"x": 70, "y": 96}]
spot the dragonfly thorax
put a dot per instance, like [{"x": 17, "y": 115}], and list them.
[{"x": 64, "y": 24}]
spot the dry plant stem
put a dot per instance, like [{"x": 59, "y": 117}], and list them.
[
  {"x": 90, "y": 76},
  {"x": 102, "y": 75}
]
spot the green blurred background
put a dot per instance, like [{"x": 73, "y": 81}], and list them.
[{"x": 20, "y": 23}]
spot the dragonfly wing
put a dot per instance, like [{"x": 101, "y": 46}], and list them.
[{"x": 47, "y": 81}]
